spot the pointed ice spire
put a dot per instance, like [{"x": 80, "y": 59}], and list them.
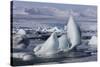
[
  {"x": 52, "y": 43},
  {"x": 73, "y": 32},
  {"x": 50, "y": 47},
  {"x": 63, "y": 43}
]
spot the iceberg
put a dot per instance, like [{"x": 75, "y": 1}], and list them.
[
  {"x": 73, "y": 33},
  {"x": 44, "y": 30},
  {"x": 53, "y": 46},
  {"x": 25, "y": 56},
  {"x": 20, "y": 39},
  {"x": 54, "y": 29},
  {"x": 49, "y": 48},
  {"x": 28, "y": 57},
  {"x": 93, "y": 43},
  {"x": 21, "y": 32},
  {"x": 63, "y": 43}
]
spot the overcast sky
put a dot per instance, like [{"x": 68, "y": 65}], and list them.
[
  {"x": 60, "y": 6},
  {"x": 58, "y": 10}
]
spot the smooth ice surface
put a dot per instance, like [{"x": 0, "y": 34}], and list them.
[
  {"x": 50, "y": 47},
  {"x": 73, "y": 32},
  {"x": 63, "y": 43}
]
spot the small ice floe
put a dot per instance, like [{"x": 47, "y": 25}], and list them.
[
  {"x": 73, "y": 33},
  {"x": 18, "y": 55},
  {"x": 54, "y": 29},
  {"x": 14, "y": 31},
  {"x": 44, "y": 30},
  {"x": 49, "y": 48},
  {"x": 21, "y": 32},
  {"x": 23, "y": 56},
  {"x": 20, "y": 40},
  {"x": 93, "y": 43},
  {"x": 28, "y": 57}
]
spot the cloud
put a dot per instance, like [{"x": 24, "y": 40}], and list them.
[
  {"x": 52, "y": 12},
  {"x": 89, "y": 12}
]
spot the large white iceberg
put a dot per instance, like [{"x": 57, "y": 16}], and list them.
[
  {"x": 73, "y": 33},
  {"x": 72, "y": 38},
  {"x": 52, "y": 47},
  {"x": 49, "y": 48},
  {"x": 25, "y": 56}
]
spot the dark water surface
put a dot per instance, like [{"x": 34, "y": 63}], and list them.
[{"x": 18, "y": 62}]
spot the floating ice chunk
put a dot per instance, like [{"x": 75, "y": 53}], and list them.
[
  {"x": 25, "y": 56},
  {"x": 28, "y": 57},
  {"x": 18, "y": 55},
  {"x": 93, "y": 43},
  {"x": 54, "y": 29},
  {"x": 20, "y": 41},
  {"x": 21, "y": 32},
  {"x": 93, "y": 40},
  {"x": 20, "y": 46},
  {"x": 44, "y": 30},
  {"x": 63, "y": 43},
  {"x": 49, "y": 48},
  {"x": 73, "y": 33}
]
